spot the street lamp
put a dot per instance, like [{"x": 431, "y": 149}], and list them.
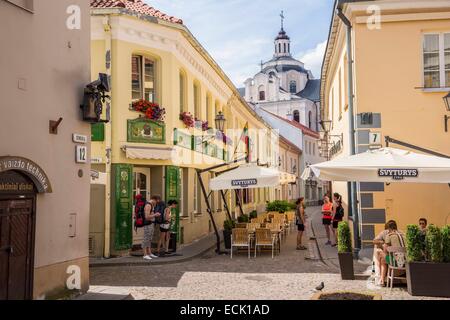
[
  {"x": 220, "y": 121},
  {"x": 447, "y": 106},
  {"x": 326, "y": 125},
  {"x": 447, "y": 101},
  {"x": 94, "y": 97},
  {"x": 323, "y": 135}
]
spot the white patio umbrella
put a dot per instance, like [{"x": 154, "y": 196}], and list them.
[
  {"x": 248, "y": 176},
  {"x": 384, "y": 165}
]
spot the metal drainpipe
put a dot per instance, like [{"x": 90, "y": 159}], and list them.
[
  {"x": 352, "y": 196},
  {"x": 107, "y": 244}
]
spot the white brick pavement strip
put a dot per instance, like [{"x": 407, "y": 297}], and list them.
[{"x": 253, "y": 286}]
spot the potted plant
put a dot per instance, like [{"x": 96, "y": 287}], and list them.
[
  {"x": 244, "y": 219},
  {"x": 253, "y": 214},
  {"x": 228, "y": 226},
  {"x": 428, "y": 274},
  {"x": 345, "y": 251}
]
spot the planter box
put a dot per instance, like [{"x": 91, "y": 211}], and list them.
[
  {"x": 346, "y": 264},
  {"x": 428, "y": 279},
  {"x": 227, "y": 238}
]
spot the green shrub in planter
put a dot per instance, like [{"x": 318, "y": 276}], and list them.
[
  {"x": 434, "y": 244},
  {"x": 229, "y": 225},
  {"x": 414, "y": 243},
  {"x": 253, "y": 214},
  {"x": 280, "y": 206},
  {"x": 344, "y": 238},
  {"x": 243, "y": 219},
  {"x": 446, "y": 243}
]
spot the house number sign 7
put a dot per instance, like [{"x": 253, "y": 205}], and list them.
[
  {"x": 375, "y": 139},
  {"x": 81, "y": 154}
]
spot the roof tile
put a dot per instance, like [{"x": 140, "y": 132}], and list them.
[{"x": 136, "y": 6}]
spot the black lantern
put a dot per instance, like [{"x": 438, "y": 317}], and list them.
[
  {"x": 94, "y": 98},
  {"x": 447, "y": 106},
  {"x": 220, "y": 121},
  {"x": 323, "y": 135},
  {"x": 447, "y": 101},
  {"x": 326, "y": 125}
]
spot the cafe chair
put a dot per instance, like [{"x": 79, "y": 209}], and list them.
[
  {"x": 240, "y": 238},
  {"x": 264, "y": 238},
  {"x": 396, "y": 265}
]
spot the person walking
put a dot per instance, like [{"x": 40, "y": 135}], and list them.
[
  {"x": 300, "y": 222},
  {"x": 338, "y": 215},
  {"x": 327, "y": 215},
  {"x": 149, "y": 228},
  {"x": 164, "y": 228}
]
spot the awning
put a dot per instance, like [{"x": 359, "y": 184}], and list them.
[
  {"x": 384, "y": 165},
  {"x": 148, "y": 153},
  {"x": 250, "y": 176}
]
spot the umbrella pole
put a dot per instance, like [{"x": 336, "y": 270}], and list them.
[
  {"x": 225, "y": 204},
  {"x": 208, "y": 205},
  {"x": 238, "y": 197}
]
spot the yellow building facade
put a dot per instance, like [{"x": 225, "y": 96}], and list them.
[
  {"x": 158, "y": 60},
  {"x": 400, "y": 52}
]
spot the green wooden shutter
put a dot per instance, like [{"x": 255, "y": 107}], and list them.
[{"x": 98, "y": 132}]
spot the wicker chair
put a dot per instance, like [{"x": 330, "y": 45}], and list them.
[
  {"x": 240, "y": 239},
  {"x": 253, "y": 226},
  {"x": 264, "y": 238},
  {"x": 241, "y": 225},
  {"x": 396, "y": 265}
]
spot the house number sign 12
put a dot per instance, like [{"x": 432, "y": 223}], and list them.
[{"x": 81, "y": 154}]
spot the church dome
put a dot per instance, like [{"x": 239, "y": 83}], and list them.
[{"x": 282, "y": 35}]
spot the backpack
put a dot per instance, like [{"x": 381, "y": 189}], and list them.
[
  {"x": 160, "y": 208},
  {"x": 140, "y": 221}
]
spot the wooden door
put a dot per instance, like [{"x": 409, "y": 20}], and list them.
[{"x": 16, "y": 248}]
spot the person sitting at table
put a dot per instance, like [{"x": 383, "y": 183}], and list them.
[
  {"x": 393, "y": 238},
  {"x": 378, "y": 253}
]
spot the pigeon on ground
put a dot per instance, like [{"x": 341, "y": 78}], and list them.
[{"x": 320, "y": 287}]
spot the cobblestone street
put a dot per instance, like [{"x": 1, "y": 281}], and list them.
[{"x": 288, "y": 276}]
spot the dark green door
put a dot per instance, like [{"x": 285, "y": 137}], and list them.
[
  {"x": 173, "y": 192},
  {"x": 123, "y": 206}
]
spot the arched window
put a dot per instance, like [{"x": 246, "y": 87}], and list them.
[
  {"x": 310, "y": 120},
  {"x": 293, "y": 87},
  {"x": 279, "y": 48},
  {"x": 285, "y": 48},
  {"x": 297, "y": 116},
  {"x": 262, "y": 93}
]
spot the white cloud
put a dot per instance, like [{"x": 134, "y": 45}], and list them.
[{"x": 313, "y": 58}]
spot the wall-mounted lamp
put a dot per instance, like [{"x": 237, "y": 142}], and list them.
[
  {"x": 94, "y": 97},
  {"x": 447, "y": 107}
]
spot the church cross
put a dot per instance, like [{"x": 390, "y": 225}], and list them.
[{"x": 282, "y": 20}]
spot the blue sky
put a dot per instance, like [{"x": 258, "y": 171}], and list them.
[{"x": 240, "y": 33}]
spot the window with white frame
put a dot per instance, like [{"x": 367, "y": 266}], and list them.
[
  {"x": 142, "y": 78},
  {"x": 436, "y": 60}
]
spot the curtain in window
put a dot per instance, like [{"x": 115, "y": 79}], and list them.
[{"x": 431, "y": 61}]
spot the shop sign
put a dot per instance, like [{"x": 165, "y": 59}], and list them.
[
  {"x": 244, "y": 183},
  {"x": 398, "y": 174},
  {"x": 31, "y": 169},
  {"x": 142, "y": 130}
]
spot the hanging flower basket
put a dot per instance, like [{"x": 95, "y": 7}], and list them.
[
  {"x": 187, "y": 119},
  {"x": 151, "y": 111},
  {"x": 222, "y": 137}
]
